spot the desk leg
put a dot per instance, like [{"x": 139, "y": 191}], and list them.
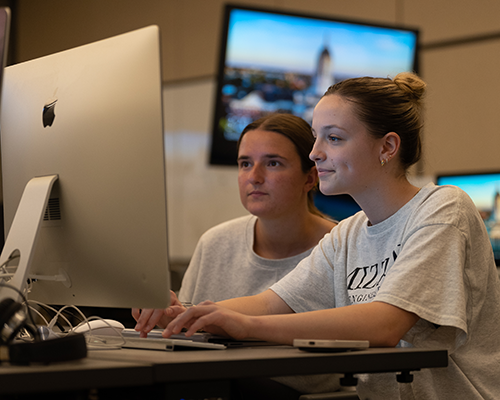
[
  {"x": 405, "y": 377},
  {"x": 348, "y": 380}
]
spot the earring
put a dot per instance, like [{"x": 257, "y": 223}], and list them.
[{"x": 382, "y": 163}]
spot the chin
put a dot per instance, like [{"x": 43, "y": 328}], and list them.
[
  {"x": 261, "y": 212},
  {"x": 327, "y": 191},
  {"x": 257, "y": 211}
]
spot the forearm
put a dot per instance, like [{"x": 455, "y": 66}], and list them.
[
  {"x": 380, "y": 323},
  {"x": 266, "y": 303}
]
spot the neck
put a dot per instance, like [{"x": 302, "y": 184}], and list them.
[{"x": 381, "y": 202}]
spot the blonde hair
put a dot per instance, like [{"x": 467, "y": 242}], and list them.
[{"x": 389, "y": 105}]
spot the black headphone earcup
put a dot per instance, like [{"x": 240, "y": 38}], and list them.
[
  {"x": 71, "y": 347},
  {"x": 8, "y": 308},
  {"x": 67, "y": 348}
]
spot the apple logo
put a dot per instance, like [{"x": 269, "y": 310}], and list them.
[{"x": 48, "y": 113}]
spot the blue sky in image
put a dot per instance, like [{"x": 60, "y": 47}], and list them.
[
  {"x": 481, "y": 188},
  {"x": 293, "y": 43}
]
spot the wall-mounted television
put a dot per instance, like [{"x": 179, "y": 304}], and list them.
[
  {"x": 275, "y": 61},
  {"x": 484, "y": 190}
]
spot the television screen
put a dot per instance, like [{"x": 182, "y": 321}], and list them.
[
  {"x": 484, "y": 190},
  {"x": 274, "y": 61}
]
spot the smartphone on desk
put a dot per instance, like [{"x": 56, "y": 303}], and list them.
[{"x": 323, "y": 345}]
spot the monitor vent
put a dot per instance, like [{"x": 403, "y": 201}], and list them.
[{"x": 53, "y": 210}]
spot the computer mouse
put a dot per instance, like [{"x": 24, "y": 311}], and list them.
[{"x": 102, "y": 327}]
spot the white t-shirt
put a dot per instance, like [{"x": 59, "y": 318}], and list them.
[
  {"x": 224, "y": 264},
  {"x": 433, "y": 258}
]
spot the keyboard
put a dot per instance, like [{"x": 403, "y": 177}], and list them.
[{"x": 156, "y": 341}]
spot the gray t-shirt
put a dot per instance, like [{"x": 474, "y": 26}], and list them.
[
  {"x": 225, "y": 266},
  {"x": 433, "y": 258}
]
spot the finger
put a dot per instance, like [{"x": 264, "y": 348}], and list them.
[
  {"x": 206, "y": 303},
  {"x": 174, "y": 301},
  {"x": 174, "y": 311},
  {"x": 199, "y": 323},
  {"x": 136, "y": 313},
  {"x": 142, "y": 317},
  {"x": 189, "y": 320},
  {"x": 149, "y": 319},
  {"x": 179, "y": 322}
]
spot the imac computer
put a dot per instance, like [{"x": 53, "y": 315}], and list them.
[
  {"x": 4, "y": 38},
  {"x": 84, "y": 176},
  {"x": 5, "y": 17}
]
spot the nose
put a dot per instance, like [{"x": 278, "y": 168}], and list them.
[
  {"x": 256, "y": 175},
  {"x": 316, "y": 153}
]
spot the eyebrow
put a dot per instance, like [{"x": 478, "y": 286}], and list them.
[
  {"x": 268, "y": 156},
  {"x": 329, "y": 127}
]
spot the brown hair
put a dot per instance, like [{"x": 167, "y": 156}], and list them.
[
  {"x": 299, "y": 133},
  {"x": 389, "y": 105}
]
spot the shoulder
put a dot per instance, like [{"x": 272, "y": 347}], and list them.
[
  {"x": 350, "y": 224},
  {"x": 224, "y": 240},
  {"x": 440, "y": 193},
  {"x": 445, "y": 206},
  {"x": 449, "y": 202},
  {"x": 228, "y": 229}
]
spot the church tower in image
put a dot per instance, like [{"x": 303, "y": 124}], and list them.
[{"x": 323, "y": 77}]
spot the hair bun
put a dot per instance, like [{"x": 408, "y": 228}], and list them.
[{"x": 411, "y": 84}]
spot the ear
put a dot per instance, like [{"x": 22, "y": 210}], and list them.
[
  {"x": 390, "y": 144},
  {"x": 311, "y": 179}
]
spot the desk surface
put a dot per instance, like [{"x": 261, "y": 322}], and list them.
[
  {"x": 81, "y": 374},
  {"x": 130, "y": 367},
  {"x": 272, "y": 361}
]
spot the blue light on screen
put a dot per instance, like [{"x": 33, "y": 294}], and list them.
[{"x": 265, "y": 40}]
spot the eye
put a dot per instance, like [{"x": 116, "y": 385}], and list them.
[
  {"x": 274, "y": 163},
  {"x": 244, "y": 164},
  {"x": 334, "y": 139}
]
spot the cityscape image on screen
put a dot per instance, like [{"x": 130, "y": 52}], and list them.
[{"x": 275, "y": 62}]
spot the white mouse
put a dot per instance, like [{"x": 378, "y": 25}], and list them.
[{"x": 102, "y": 327}]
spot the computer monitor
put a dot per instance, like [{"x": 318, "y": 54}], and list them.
[
  {"x": 85, "y": 126},
  {"x": 4, "y": 38},
  {"x": 484, "y": 190},
  {"x": 5, "y": 18}
]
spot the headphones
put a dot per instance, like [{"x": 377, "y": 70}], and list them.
[{"x": 13, "y": 319}]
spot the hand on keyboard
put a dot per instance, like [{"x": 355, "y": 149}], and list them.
[{"x": 148, "y": 318}]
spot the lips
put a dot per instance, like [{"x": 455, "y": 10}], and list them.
[
  {"x": 257, "y": 193},
  {"x": 323, "y": 171}
]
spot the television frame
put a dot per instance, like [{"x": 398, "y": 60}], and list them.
[{"x": 222, "y": 150}]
